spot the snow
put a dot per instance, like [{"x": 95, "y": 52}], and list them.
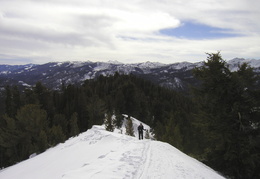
[
  {"x": 150, "y": 65},
  {"x": 114, "y": 62},
  {"x": 102, "y": 66},
  {"x": 24, "y": 84},
  {"x": 178, "y": 82},
  {"x": 4, "y": 72},
  {"x": 178, "y": 66},
  {"x": 54, "y": 64},
  {"x": 98, "y": 153},
  {"x": 126, "y": 68},
  {"x": 77, "y": 64},
  {"x": 87, "y": 76},
  {"x": 236, "y": 62},
  {"x": 28, "y": 67}
]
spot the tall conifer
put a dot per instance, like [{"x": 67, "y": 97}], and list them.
[
  {"x": 226, "y": 116},
  {"x": 129, "y": 127}
]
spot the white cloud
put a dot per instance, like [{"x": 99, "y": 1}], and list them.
[{"x": 44, "y": 30}]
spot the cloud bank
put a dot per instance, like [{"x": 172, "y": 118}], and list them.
[{"x": 39, "y": 31}]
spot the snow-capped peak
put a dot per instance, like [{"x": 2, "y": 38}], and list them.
[
  {"x": 151, "y": 65},
  {"x": 182, "y": 65},
  {"x": 236, "y": 62},
  {"x": 114, "y": 62}
]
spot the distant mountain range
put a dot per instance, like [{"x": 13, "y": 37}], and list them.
[{"x": 176, "y": 76}]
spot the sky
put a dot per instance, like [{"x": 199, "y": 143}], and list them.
[{"x": 166, "y": 31}]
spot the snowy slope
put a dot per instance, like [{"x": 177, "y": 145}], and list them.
[{"x": 100, "y": 154}]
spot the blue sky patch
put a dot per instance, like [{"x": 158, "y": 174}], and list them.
[{"x": 198, "y": 31}]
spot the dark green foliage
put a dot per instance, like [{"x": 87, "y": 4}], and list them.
[
  {"x": 227, "y": 119},
  {"x": 60, "y": 120},
  {"x": 119, "y": 118},
  {"x": 43, "y": 141},
  {"x": 56, "y": 135},
  {"x": 24, "y": 134},
  {"x": 109, "y": 125},
  {"x": 12, "y": 101},
  {"x": 96, "y": 111},
  {"x": 73, "y": 125}
]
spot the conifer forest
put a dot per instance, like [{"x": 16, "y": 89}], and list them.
[{"x": 216, "y": 122}]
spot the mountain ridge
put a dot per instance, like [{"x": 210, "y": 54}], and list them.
[{"x": 176, "y": 76}]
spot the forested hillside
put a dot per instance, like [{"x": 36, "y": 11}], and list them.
[
  {"x": 218, "y": 122},
  {"x": 40, "y": 113}
]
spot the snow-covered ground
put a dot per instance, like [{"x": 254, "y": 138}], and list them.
[{"x": 99, "y": 154}]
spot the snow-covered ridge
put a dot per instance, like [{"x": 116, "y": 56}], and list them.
[
  {"x": 176, "y": 76},
  {"x": 117, "y": 66},
  {"x": 236, "y": 62},
  {"x": 252, "y": 62},
  {"x": 101, "y": 154},
  {"x": 149, "y": 64}
]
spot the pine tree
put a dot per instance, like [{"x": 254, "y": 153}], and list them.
[
  {"x": 16, "y": 99},
  {"x": 129, "y": 127},
  {"x": 31, "y": 120},
  {"x": 109, "y": 123},
  {"x": 147, "y": 135},
  {"x": 60, "y": 120},
  {"x": 9, "y": 139},
  {"x": 23, "y": 135},
  {"x": 130, "y": 96},
  {"x": 96, "y": 111},
  {"x": 8, "y": 102},
  {"x": 12, "y": 100},
  {"x": 225, "y": 116},
  {"x": 73, "y": 123},
  {"x": 118, "y": 120},
  {"x": 42, "y": 142},
  {"x": 56, "y": 135}
]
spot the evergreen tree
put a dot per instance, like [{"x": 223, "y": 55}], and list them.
[
  {"x": 16, "y": 99},
  {"x": 60, "y": 120},
  {"x": 23, "y": 135},
  {"x": 120, "y": 101},
  {"x": 96, "y": 111},
  {"x": 147, "y": 135},
  {"x": 31, "y": 120},
  {"x": 56, "y": 135},
  {"x": 73, "y": 123},
  {"x": 9, "y": 138},
  {"x": 225, "y": 116},
  {"x": 109, "y": 123},
  {"x": 30, "y": 97},
  {"x": 172, "y": 133},
  {"x": 130, "y": 96},
  {"x": 118, "y": 120},
  {"x": 8, "y": 102},
  {"x": 12, "y": 100},
  {"x": 43, "y": 141},
  {"x": 129, "y": 127},
  {"x": 70, "y": 100}
]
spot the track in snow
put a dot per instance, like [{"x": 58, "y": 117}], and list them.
[{"x": 99, "y": 154}]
